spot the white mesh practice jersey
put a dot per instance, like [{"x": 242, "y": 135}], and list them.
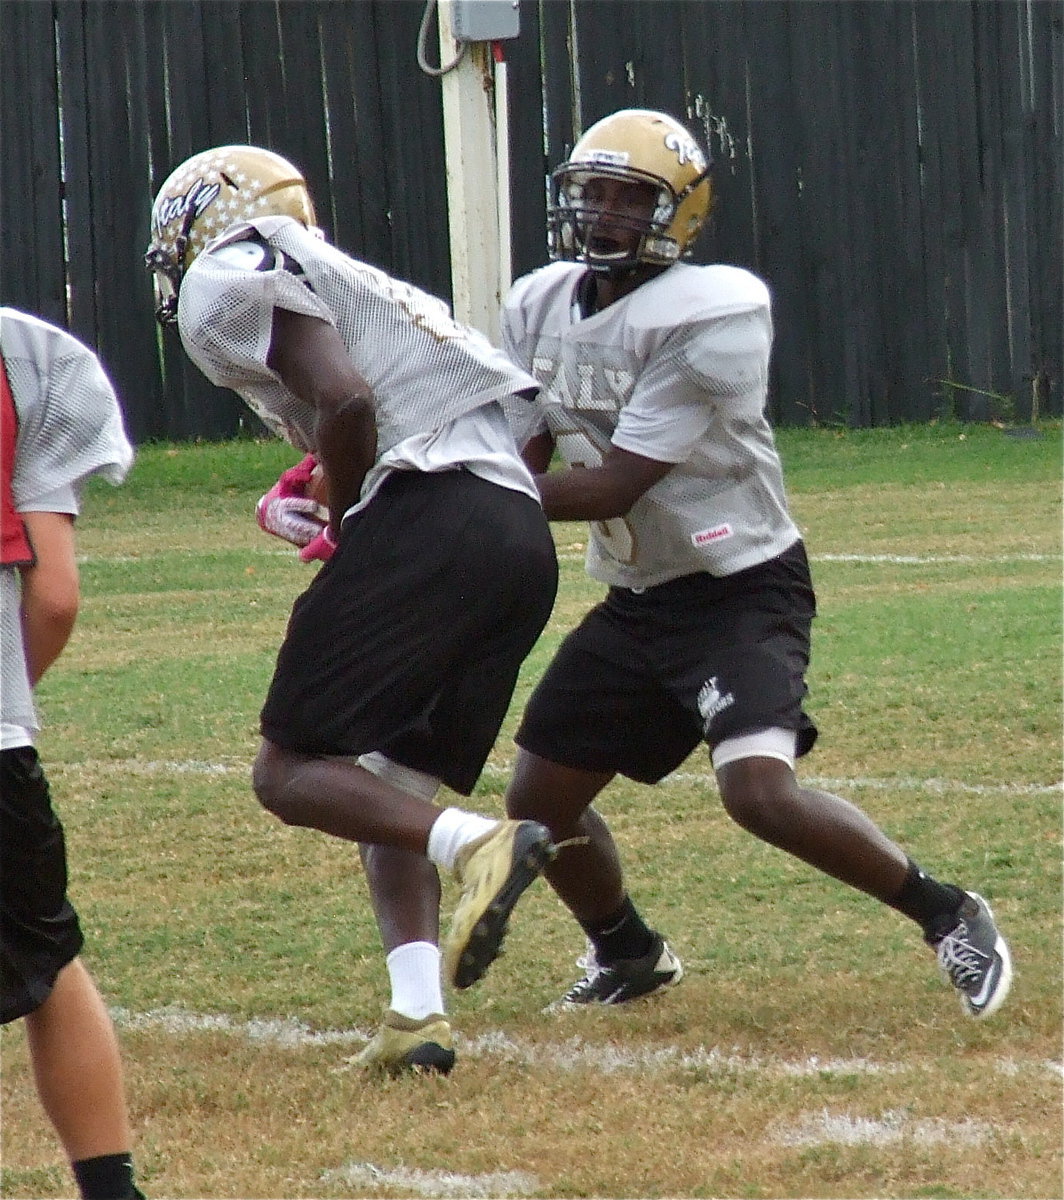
[
  {"x": 425, "y": 369},
  {"x": 69, "y": 428},
  {"x": 676, "y": 371}
]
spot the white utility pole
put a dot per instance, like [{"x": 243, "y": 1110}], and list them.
[{"x": 478, "y": 189}]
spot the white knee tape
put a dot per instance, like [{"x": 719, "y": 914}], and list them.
[
  {"x": 406, "y": 779},
  {"x": 766, "y": 743}
]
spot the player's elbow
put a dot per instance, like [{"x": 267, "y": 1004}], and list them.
[
  {"x": 51, "y": 603},
  {"x": 346, "y": 417},
  {"x": 48, "y": 618},
  {"x": 344, "y": 401},
  {"x": 62, "y": 612}
]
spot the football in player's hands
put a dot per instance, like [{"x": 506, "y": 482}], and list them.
[
  {"x": 317, "y": 487},
  {"x": 296, "y": 519},
  {"x": 295, "y": 507}
]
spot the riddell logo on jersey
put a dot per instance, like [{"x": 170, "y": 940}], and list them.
[{"x": 705, "y": 536}]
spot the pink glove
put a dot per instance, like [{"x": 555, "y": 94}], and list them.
[
  {"x": 293, "y": 482},
  {"x": 320, "y": 547},
  {"x": 287, "y": 512}
]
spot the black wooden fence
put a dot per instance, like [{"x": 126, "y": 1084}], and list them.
[{"x": 892, "y": 167}]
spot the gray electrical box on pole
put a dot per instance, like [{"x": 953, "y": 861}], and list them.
[{"x": 484, "y": 20}]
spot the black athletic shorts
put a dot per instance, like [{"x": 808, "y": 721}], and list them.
[
  {"x": 648, "y": 675},
  {"x": 410, "y": 638},
  {"x": 39, "y": 930}
]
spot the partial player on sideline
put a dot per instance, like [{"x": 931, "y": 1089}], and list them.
[{"x": 60, "y": 424}]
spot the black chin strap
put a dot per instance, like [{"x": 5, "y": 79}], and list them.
[
  {"x": 181, "y": 243},
  {"x": 696, "y": 182}
]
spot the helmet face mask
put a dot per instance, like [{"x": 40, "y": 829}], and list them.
[
  {"x": 612, "y": 218},
  {"x": 634, "y": 192},
  {"x": 209, "y": 193}
]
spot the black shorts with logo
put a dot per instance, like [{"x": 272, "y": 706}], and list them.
[
  {"x": 410, "y": 638},
  {"x": 648, "y": 675},
  {"x": 39, "y": 930}
]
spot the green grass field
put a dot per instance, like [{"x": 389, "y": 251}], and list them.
[{"x": 812, "y": 1050}]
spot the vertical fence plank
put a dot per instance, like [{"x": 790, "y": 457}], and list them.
[
  {"x": 355, "y": 208},
  {"x": 561, "y": 59},
  {"x": 771, "y": 171},
  {"x": 225, "y": 76},
  {"x": 31, "y": 233},
  {"x": 78, "y": 189},
  {"x": 413, "y": 160},
  {"x": 529, "y": 164},
  {"x": 1045, "y": 48}
]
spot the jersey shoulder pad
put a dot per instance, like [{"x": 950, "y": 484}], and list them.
[
  {"x": 248, "y": 254},
  {"x": 688, "y": 295},
  {"x": 726, "y": 289},
  {"x": 542, "y": 282}
]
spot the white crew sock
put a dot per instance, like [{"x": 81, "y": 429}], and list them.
[
  {"x": 414, "y": 971},
  {"x": 453, "y": 829}
]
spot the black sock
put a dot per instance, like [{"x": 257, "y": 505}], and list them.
[
  {"x": 623, "y": 934},
  {"x": 931, "y": 904},
  {"x": 109, "y": 1177}
]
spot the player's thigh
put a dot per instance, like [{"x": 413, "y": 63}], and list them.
[
  {"x": 743, "y": 668},
  {"x": 600, "y": 707}
]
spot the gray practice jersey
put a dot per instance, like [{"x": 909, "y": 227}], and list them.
[
  {"x": 425, "y": 369},
  {"x": 69, "y": 428},
  {"x": 676, "y": 371}
]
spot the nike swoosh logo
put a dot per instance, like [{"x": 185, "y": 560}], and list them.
[{"x": 983, "y": 995}]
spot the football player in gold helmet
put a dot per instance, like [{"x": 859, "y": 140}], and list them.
[
  {"x": 395, "y": 674},
  {"x": 655, "y": 374}
]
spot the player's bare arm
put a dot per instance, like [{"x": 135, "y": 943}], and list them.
[
  {"x": 537, "y": 453},
  {"x": 50, "y": 590},
  {"x": 599, "y": 493},
  {"x": 312, "y": 360}
]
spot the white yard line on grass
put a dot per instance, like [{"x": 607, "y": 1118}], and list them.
[
  {"x": 572, "y": 1053},
  {"x": 905, "y": 560},
  {"x": 931, "y": 560},
  {"x": 906, "y": 783},
  {"x": 901, "y": 783},
  {"x": 892, "y": 1127},
  {"x": 433, "y": 1183}
]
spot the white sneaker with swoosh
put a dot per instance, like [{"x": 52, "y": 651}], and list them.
[
  {"x": 619, "y": 982},
  {"x": 975, "y": 958}
]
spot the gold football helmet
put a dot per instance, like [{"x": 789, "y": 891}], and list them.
[
  {"x": 207, "y": 194},
  {"x": 654, "y": 156}
]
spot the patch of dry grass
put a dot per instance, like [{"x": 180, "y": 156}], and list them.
[{"x": 811, "y": 1050}]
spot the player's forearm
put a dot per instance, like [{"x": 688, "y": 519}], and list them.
[
  {"x": 582, "y": 494},
  {"x": 50, "y": 591},
  {"x": 601, "y": 492},
  {"x": 44, "y": 636},
  {"x": 347, "y": 448}
]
